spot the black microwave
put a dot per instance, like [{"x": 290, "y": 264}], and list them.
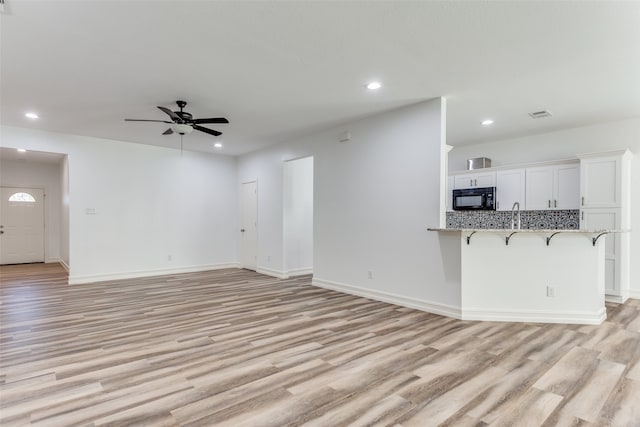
[{"x": 468, "y": 199}]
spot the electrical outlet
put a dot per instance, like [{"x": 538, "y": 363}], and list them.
[
  {"x": 551, "y": 291},
  {"x": 370, "y": 274}
]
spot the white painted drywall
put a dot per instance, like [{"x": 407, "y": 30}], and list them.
[
  {"x": 374, "y": 197},
  {"x": 566, "y": 144},
  {"x": 150, "y": 202},
  {"x": 47, "y": 176},
  {"x": 509, "y": 282},
  {"x": 298, "y": 216},
  {"x": 64, "y": 223}
]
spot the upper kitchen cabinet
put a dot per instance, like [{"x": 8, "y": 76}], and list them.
[
  {"x": 510, "y": 188},
  {"x": 553, "y": 187},
  {"x": 602, "y": 178},
  {"x": 475, "y": 179}
]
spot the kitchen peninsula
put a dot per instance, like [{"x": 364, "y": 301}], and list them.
[{"x": 550, "y": 276}]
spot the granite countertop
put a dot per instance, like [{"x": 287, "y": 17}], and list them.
[{"x": 528, "y": 230}]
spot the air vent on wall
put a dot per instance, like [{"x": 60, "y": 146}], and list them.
[{"x": 540, "y": 114}]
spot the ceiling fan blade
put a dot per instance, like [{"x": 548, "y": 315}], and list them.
[
  {"x": 212, "y": 120},
  {"x": 207, "y": 130},
  {"x": 143, "y": 120},
  {"x": 171, "y": 114},
  {"x": 167, "y": 132}
]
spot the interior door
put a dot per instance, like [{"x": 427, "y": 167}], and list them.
[
  {"x": 249, "y": 226},
  {"x": 21, "y": 225}
]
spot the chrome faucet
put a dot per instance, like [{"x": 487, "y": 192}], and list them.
[{"x": 516, "y": 204}]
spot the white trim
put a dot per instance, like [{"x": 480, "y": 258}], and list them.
[
  {"x": 634, "y": 293},
  {"x": 428, "y": 306},
  {"x": 76, "y": 280},
  {"x": 273, "y": 273},
  {"x": 620, "y": 299},
  {"x": 59, "y": 261},
  {"x": 299, "y": 272},
  {"x": 576, "y": 317}
]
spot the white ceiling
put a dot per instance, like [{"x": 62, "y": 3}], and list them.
[{"x": 278, "y": 70}]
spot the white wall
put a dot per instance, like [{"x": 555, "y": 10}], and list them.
[
  {"x": 64, "y": 223},
  {"x": 298, "y": 216},
  {"x": 150, "y": 202},
  {"x": 47, "y": 176},
  {"x": 374, "y": 198},
  {"x": 566, "y": 144}
]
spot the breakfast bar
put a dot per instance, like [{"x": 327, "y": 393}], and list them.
[{"x": 550, "y": 276}]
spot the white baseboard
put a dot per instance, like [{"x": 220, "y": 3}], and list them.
[
  {"x": 634, "y": 293},
  {"x": 59, "y": 261},
  {"x": 620, "y": 299},
  {"x": 428, "y": 306},
  {"x": 76, "y": 280},
  {"x": 582, "y": 318},
  {"x": 299, "y": 272},
  {"x": 273, "y": 273}
]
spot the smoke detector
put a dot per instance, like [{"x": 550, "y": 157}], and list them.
[{"x": 540, "y": 114}]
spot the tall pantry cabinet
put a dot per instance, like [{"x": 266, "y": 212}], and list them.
[{"x": 605, "y": 193}]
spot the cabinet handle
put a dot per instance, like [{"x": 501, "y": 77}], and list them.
[
  {"x": 471, "y": 184},
  {"x": 555, "y": 203},
  {"x": 582, "y": 200},
  {"x": 549, "y": 203},
  {"x": 582, "y": 217},
  {"x": 475, "y": 182}
]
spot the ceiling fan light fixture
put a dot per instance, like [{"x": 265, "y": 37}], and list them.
[{"x": 181, "y": 128}]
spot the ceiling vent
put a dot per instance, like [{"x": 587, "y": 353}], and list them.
[{"x": 540, "y": 114}]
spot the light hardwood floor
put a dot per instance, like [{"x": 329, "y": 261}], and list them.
[{"x": 236, "y": 348}]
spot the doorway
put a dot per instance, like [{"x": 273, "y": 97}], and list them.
[
  {"x": 21, "y": 225},
  {"x": 249, "y": 226},
  {"x": 298, "y": 216}
]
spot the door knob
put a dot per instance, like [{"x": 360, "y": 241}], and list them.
[
  {"x": 242, "y": 230},
  {"x": 1, "y": 231}
]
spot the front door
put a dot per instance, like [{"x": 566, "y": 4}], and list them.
[
  {"x": 249, "y": 226},
  {"x": 21, "y": 225}
]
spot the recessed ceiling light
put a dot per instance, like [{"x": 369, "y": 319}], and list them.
[
  {"x": 374, "y": 85},
  {"x": 31, "y": 115},
  {"x": 487, "y": 122},
  {"x": 21, "y": 150},
  {"x": 218, "y": 145}
]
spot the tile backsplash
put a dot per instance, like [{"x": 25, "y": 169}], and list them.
[{"x": 535, "y": 220}]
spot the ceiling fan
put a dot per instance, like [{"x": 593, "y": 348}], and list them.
[{"x": 183, "y": 122}]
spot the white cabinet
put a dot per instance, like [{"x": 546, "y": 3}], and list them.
[
  {"x": 605, "y": 188},
  {"x": 475, "y": 179},
  {"x": 601, "y": 219},
  {"x": 510, "y": 188},
  {"x": 600, "y": 183},
  {"x": 539, "y": 188},
  {"x": 553, "y": 187},
  {"x": 566, "y": 186}
]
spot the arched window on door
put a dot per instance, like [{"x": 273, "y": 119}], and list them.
[{"x": 22, "y": 197}]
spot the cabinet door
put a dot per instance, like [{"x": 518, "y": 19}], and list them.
[
  {"x": 485, "y": 179},
  {"x": 599, "y": 219},
  {"x": 600, "y": 182},
  {"x": 510, "y": 188},
  {"x": 463, "y": 181},
  {"x": 539, "y": 185},
  {"x": 566, "y": 186},
  {"x": 475, "y": 179}
]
